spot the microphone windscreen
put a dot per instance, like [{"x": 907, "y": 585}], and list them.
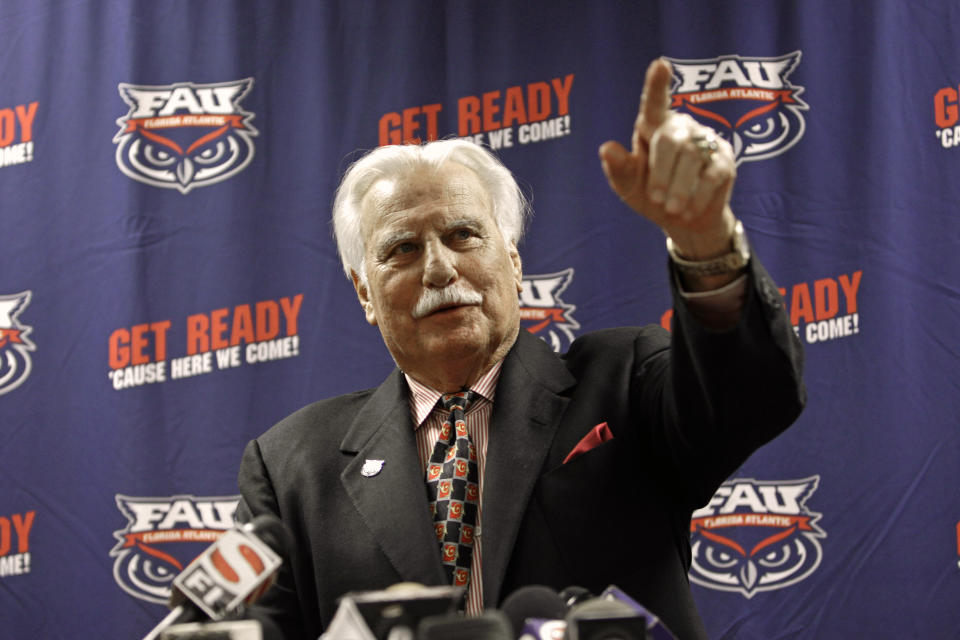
[
  {"x": 532, "y": 601},
  {"x": 272, "y": 532},
  {"x": 491, "y": 625}
]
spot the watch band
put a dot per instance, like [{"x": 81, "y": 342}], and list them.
[{"x": 728, "y": 263}]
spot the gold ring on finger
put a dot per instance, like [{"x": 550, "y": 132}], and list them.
[{"x": 707, "y": 146}]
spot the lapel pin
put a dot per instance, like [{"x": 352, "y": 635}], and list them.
[{"x": 371, "y": 468}]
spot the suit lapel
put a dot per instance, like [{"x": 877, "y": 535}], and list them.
[
  {"x": 526, "y": 413},
  {"x": 393, "y": 503}
]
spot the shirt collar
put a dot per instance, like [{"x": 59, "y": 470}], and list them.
[{"x": 423, "y": 399}]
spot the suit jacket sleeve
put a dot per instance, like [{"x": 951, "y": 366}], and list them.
[
  {"x": 686, "y": 409},
  {"x": 280, "y": 606},
  {"x": 728, "y": 392}
]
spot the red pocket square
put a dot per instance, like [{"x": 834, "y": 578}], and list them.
[{"x": 597, "y": 436}]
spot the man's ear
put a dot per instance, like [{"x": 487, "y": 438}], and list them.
[
  {"x": 364, "y": 297},
  {"x": 517, "y": 266}
]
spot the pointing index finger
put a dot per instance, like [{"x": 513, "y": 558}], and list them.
[{"x": 655, "y": 99}]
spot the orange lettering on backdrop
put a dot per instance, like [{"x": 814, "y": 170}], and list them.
[
  {"x": 8, "y": 123},
  {"x": 538, "y": 101},
  {"x": 390, "y": 132},
  {"x": 137, "y": 343},
  {"x": 945, "y": 107},
  {"x": 490, "y": 109},
  {"x": 562, "y": 88},
  {"x": 850, "y": 288},
  {"x": 800, "y": 305},
  {"x": 4, "y": 536},
  {"x": 119, "y": 348},
  {"x": 268, "y": 320},
  {"x": 242, "y": 325},
  {"x": 468, "y": 115},
  {"x": 291, "y": 309},
  {"x": 218, "y": 327},
  {"x": 132, "y": 346},
  {"x": 410, "y": 125},
  {"x": 666, "y": 320},
  {"x": 25, "y": 116},
  {"x": 197, "y": 339},
  {"x": 160, "y": 339},
  {"x": 23, "y": 526},
  {"x": 402, "y": 128},
  {"x": 514, "y": 110},
  {"x": 826, "y": 298},
  {"x": 431, "y": 111},
  {"x": 8, "y": 128}
]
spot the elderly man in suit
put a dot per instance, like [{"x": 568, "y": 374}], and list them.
[{"x": 487, "y": 460}]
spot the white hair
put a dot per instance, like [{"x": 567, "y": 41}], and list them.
[{"x": 510, "y": 207}]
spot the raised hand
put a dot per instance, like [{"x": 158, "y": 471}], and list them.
[{"x": 679, "y": 174}]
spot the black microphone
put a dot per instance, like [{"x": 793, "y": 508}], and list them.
[
  {"x": 614, "y": 615},
  {"x": 532, "y": 602},
  {"x": 232, "y": 573}
]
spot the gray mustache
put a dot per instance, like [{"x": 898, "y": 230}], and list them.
[{"x": 433, "y": 299}]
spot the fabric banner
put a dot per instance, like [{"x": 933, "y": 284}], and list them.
[{"x": 170, "y": 288}]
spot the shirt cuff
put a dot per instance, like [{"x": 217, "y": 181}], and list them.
[{"x": 718, "y": 309}]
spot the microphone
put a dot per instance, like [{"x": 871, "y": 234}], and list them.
[
  {"x": 393, "y": 613},
  {"x": 232, "y": 573},
  {"x": 540, "y": 613},
  {"x": 232, "y": 630},
  {"x": 614, "y": 614},
  {"x": 490, "y": 625},
  {"x": 534, "y": 611},
  {"x": 603, "y": 619}
]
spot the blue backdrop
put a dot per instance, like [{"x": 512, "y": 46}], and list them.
[{"x": 169, "y": 287}]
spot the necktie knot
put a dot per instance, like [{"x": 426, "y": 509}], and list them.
[{"x": 460, "y": 399}]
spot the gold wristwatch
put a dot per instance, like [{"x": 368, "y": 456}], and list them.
[{"x": 728, "y": 263}]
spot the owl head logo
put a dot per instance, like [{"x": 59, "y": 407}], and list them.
[
  {"x": 15, "y": 347},
  {"x": 747, "y": 100},
  {"x": 544, "y": 313},
  {"x": 184, "y": 135},
  {"x": 162, "y": 536},
  {"x": 756, "y": 536}
]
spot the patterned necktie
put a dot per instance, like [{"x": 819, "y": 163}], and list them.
[{"x": 453, "y": 489}]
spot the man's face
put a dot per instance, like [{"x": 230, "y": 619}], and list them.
[{"x": 433, "y": 231}]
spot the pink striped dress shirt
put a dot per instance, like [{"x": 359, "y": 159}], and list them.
[{"x": 428, "y": 418}]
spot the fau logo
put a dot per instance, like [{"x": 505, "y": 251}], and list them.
[
  {"x": 543, "y": 313},
  {"x": 749, "y": 101},
  {"x": 184, "y": 135},
  {"x": 756, "y": 536},
  {"x": 15, "y": 347},
  {"x": 162, "y": 536}
]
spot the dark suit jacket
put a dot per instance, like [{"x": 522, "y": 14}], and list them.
[{"x": 683, "y": 417}]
